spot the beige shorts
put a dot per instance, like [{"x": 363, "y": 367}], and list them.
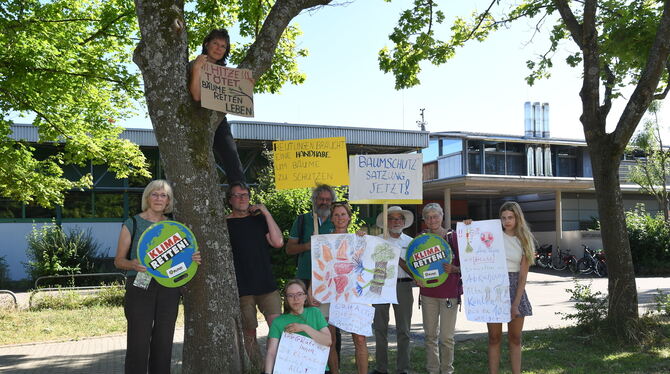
[{"x": 269, "y": 303}]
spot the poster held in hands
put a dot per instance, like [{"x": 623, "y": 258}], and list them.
[
  {"x": 484, "y": 271},
  {"x": 299, "y": 354},
  {"x": 356, "y": 318},
  {"x": 227, "y": 90}
]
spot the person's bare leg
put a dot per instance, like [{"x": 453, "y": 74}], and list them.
[
  {"x": 514, "y": 329},
  {"x": 495, "y": 337},
  {"x": 361, "y": 349},
  {"x": 333, "y": 362}
]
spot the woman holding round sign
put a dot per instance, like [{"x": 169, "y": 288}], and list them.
[
  {"x": 519, "y": 252},
  {"x": 440, "y": 289},
  {"x": 150, "y": 307}
]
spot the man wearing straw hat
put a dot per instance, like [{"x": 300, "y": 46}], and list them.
[{"x": 398, "y": 220}]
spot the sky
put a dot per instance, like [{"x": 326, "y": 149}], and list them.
[{"x": 482, "y": 89}]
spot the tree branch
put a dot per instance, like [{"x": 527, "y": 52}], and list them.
[
  {"x": 662, "y": 95},
  {"x": 657, "y": 62},
  {"x": 259, "y": 56},
  {"x": 570, "y": 22},
  {"x": 101, "y": 31},
  {"x": 609, "y": 87},
  {"x": 480, "y": 20}
]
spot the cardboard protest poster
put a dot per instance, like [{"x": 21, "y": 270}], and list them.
[
  {"x": 227, "y": 90},
  {"x": 165, "y": 248},
  {"x": 300, "y": 354},
  {"x": 349, "y": 268},
  {"x": 386, "y": 179},
  {"x": 424, "y": 257},
  {"x": 484, "y": 271},
  {"x": 356, "y": 318},
  {"x": 308, "y": 162}
]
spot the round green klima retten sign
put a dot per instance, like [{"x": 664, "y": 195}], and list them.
[
  {"x": 166, "y": 249},
  {"x": 425, "y": 256}
]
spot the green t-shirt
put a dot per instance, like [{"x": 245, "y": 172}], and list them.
[
  {"x": 305, "y": 258},
  {"x": 142, "y": 225},
  {"x": 310, "y": 316}
]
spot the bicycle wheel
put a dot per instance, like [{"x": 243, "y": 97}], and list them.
[
  {"x": 583, "y": 266},
  {"x": 572, "y": 266},
  {"x": 558, "y": 264},
  {"x": 543, "y": 261},
  {"x": 601, "y": 269}
]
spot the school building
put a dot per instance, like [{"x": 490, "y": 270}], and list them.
[{"x": 110, "y": 201}]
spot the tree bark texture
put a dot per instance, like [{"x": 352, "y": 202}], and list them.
[
  {"x": 213, "y": 340},
  {"x": 606, "y": 150}
]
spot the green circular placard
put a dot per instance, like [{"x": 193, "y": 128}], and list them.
[
  {"x": 425, "y": 256},
  {"x": 166, "y": 249}
]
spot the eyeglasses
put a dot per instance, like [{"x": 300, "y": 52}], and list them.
[
  {"x": 295, "y": 295},
  {"x": 156, "y": 195},
  {"x": 244, "y": 195}
]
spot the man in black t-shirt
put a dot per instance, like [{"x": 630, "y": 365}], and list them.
[{"x": 252, "y": 232}]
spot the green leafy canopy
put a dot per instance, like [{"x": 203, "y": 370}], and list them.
[{"x": 67, "y": 64}]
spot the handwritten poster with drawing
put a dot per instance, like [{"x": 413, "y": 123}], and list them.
[
  {"x": 227, "y": 90},
  {"x": 356, "y": 318},
  {"x": 300, "y": 354},
  {"x": 308, "y": 162},
  {"x": 390, "y": 179},
  {"x": 484, "y": 271},
  {"x": 349, "y": 268}
]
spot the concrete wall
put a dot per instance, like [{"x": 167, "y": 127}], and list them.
[{"x": 15, "y": 244}]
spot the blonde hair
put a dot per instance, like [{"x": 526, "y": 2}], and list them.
[
  {"x": 521, "y": 230},
  {"x": 158, "y": 184}
]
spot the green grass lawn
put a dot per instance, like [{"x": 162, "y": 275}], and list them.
[
  {"x": 552, "y": 351},
  {"x": 57, "y": 324}
]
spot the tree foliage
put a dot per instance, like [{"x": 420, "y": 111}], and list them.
[
  {"x": 651, "y": 173},
  {"x": 66, "y": 67},
  {"x": 619, "y": 43}
]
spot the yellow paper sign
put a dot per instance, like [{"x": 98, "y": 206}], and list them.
[{"x": 308, "y": 162}]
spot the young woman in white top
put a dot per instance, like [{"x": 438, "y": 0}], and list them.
[{"x": 519, "y": 253}]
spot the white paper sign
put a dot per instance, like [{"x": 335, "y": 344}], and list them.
[
  {"x": 356, "y": 318},
  {"x": 349, "y": 268},
  {"x": 300, "y": 354},
  {"x": 390, "y": 179},
  {"x": 481, "y": 248}
]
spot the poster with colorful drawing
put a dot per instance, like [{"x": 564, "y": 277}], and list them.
[
  {"x": 484, "y": 271},
  {"x": 353, "y": 268},
  {"x": 299, "y": 354}
]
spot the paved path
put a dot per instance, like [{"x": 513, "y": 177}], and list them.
[{"x": 546, "y": 290}]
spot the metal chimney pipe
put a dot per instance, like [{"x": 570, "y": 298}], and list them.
[
  {"x": 545, "y": 121},
  {"x": 537, "y": 119},
  {"x": 528, "y": 119}
]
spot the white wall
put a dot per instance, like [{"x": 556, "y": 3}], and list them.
[{"x": 15, "y": 244}]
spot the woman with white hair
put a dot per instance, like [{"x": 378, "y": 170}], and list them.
[
  {"x": 439, "y": 305},
  {"x": 151, "y": 310}
]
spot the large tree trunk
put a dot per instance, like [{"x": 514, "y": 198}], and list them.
[
  {"x": 623, "y": 304},
  {"x": 213, "y": 341}
]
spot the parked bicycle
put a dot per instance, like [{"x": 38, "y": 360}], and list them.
[
  {"x": 592, "y": 262},
  {"x": 563, "y": 260},
  {"x": 543, "y": 256}
]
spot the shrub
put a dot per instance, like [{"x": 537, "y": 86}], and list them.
[
  {"x": 662, "y": 303},
  {"x": 4, "y": 273},
  {"x": 591, "y": 308},
  {"x": 649, "y": 241},
  {"x": 51, "y": 251}
]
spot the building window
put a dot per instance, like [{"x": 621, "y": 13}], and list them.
[
  {"x": 475, "y": 149},
  {"x": 433, "y": 151},
  {"x": 450, "y": 146},
  {"x": 566, "y": 162},
  {"x": 10, "y": 209}
]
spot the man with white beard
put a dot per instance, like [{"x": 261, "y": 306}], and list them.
[
  {"x": 398, "y": 220},
  {"x": 299, "y": 242}
]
